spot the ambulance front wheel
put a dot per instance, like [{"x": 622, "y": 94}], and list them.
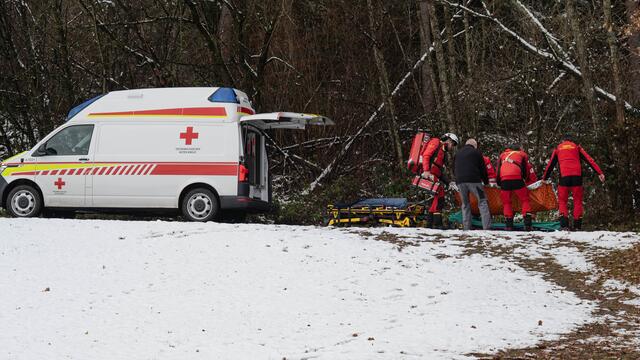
[
  {"x": 200, "y": 205},
  {"x": 24, "y": 201}
]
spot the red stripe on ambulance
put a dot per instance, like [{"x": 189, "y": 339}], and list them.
[
  {"x": 197, "y": 169},
  {"x": 146, "y": 172},
  {"x": 193, "y": 169},
  {"x": 195, "y": 111}
]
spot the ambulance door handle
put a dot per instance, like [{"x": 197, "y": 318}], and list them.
[{"x": 83, "y": 159}]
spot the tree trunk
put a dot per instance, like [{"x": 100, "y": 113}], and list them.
[
  {"x": 623, "y": 161},
  {"x": 448, "y": 31},
  {"x": 442, "y": 66},
  {"x": 384, "y": 87},
  {"x": 581, "y": 53},
  {"x": 211, "y": 40},
  {"x": 66, "y": 54},
  {"x": 467, "y": 45},
  {"x": 615, "y": 64},
  {"x": 429, "y": 87},
  {"x": 633, "y": 21},
  {"x": 226, "y": 33}
]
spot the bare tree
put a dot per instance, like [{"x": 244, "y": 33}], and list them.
[
  {"x": 384, "y": 85},
  {"x": 442, "y": 66},
  {"x": 429, "y": 87},
  {"x": 581, "y": 55},
  {"x": 633, "y": 31}
]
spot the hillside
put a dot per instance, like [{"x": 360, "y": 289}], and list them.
[{"x": 99, "y": 289}]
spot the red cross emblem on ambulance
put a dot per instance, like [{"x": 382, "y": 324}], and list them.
[
  {"x": 188, "y": 135},
  {"x": 59, "y": 183}
]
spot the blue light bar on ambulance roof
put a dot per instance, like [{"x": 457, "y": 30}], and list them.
[
  {"x": 73, "y": 112},
  {"x": 224, "y": 95}
]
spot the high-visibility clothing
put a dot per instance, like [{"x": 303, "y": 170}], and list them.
[
  {"x": 523, "y": 196},
  {"x": 491, "y": 171},
  {"x": 563, "y": 200},
  {"x": 514, "y": 165},
  {"x": 437, "y": 204},
  {"x": 433, "y": 157},
  {"x": 569, "y": 156}
]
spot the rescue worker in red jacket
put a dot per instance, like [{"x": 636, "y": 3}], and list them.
[
  {"x": 568, "y": 155},
  {"x": 491, "y": 171},
  {"x": 514, "y": 173},
  {"x": 433, "y": 159}
]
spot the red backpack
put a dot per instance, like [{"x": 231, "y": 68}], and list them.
[{"x": 414, "y": 164}]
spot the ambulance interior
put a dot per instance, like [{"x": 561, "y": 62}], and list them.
[{"x": 254, "y": 158}]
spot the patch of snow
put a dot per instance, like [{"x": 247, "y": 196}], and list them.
[
  {"x": 131, "y": 289},
  {"x": 633, "y": 302},
  {"x": 572, "y": 259},
  {"x": 603, "y": 239},
  {"x": 614, "y": 285}
]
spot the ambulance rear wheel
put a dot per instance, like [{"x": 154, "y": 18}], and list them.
[
  {"x": 24, "y": 201},
  {"x": 200, "y": 205}
]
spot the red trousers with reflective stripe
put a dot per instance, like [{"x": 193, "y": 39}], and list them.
[
  {"x": 563, "y": 200},
  {"x": 522, "y": 194},
  {"x": 437, "y": 203}
]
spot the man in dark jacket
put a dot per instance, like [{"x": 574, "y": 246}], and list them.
[{"x": 470, "y": 172}]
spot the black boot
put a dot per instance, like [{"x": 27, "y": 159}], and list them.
[
  {"x": 577, "y": 224},
  {"x": 528, "y": 225},
  {"x": 437, "y": 221},
  {"x": 564, "y": 223},
  {"x": 429, "y": 220},
  {"x": 508, "y": 224}
]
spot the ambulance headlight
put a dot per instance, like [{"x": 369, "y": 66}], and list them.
[{"x": 2, "y": 167}]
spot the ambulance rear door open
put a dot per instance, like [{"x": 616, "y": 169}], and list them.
[
  {"x": 254, "y": 149},
  {"x": 284, "y": 120}
]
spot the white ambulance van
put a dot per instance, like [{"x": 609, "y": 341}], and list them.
[{"x": 197, "y": 150}]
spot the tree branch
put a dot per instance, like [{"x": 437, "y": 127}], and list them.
[{"x": 563, "y": 64}]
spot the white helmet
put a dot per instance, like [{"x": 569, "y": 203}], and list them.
[{"x": 451, "y": 136}]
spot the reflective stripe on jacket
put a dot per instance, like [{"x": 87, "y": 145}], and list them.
[{"x": 514, "y": 165}]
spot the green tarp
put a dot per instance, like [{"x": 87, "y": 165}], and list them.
[{"x": 477, "y": 223}]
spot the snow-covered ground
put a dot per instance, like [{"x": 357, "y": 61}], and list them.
[{"x": 92, "y": 289}]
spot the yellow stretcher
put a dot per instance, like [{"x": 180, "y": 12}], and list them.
[{"x": 385, "y": 211}]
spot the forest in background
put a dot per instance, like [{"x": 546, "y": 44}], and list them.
[{"x": 501, "y": 71}]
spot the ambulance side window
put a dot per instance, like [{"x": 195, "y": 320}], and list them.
[{"x": 73, "y": 140}]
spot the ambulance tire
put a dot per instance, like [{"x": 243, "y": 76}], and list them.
[
  {"x": 200, "y": 204},
  {"x": 24, "y": 201}
]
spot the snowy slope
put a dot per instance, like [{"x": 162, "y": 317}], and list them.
[{"x": 90, "y": 289}]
